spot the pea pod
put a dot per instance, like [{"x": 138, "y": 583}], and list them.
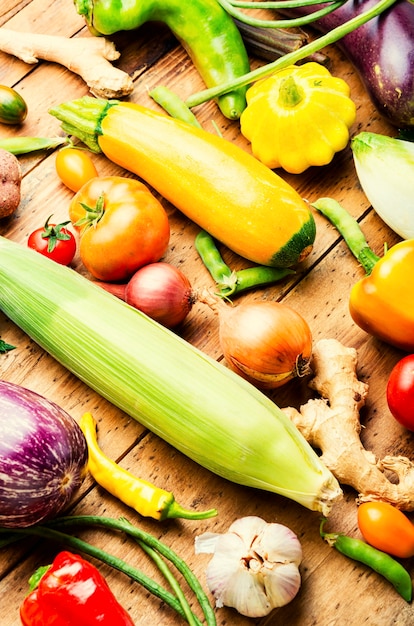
[
  {"x": 13, "y": 108},
  {"x": 231, "y": 283},
  {"x": 217, "y": 49},
  {"x": 380, "y": 562}
]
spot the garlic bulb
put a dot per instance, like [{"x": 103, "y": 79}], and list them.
[{"x": 255, "y": 567}]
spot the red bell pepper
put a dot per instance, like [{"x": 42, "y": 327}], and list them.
[{"x": 71, "y": 592}]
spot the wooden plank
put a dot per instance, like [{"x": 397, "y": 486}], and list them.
[{"x": 334, "y": 589}]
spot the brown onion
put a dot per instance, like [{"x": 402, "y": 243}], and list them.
[
  {"x": 267, "y": 343},
  {"x": 159, "y": 290}
]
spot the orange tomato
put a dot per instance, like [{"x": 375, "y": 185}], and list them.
[
  {"x": 122, "y": 226},
  {"x": 386, "y": 528},
  {"x": 74, "y": 167}
]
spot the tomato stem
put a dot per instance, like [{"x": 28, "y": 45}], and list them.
[{"x": 93, "y": 214}]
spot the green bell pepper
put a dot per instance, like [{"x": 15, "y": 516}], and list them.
[{"x": 203, "y": 27}]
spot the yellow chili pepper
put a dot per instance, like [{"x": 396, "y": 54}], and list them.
[
  {"x": 382, "y": 302},
  {"x": 147, "y": 499},
  {"x": 298, "y": 117}
]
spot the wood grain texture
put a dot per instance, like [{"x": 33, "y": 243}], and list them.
[{"x": 335, "y": 591}]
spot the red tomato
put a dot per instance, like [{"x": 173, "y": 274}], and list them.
[
  {"x": 54, "y": 241},
  {"x": 74, "y": 167},
  {"x": 122, "y": 227},
  {"x": 400, "y": 392}
]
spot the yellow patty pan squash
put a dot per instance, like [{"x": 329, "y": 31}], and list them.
[{"x": 298, "y": 117}]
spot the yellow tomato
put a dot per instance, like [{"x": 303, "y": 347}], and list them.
[{"x": 75, "y": 167}]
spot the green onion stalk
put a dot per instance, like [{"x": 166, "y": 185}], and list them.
[
  {"x": 232, "y": 9},
  {"x": 292, "y": 57},
  {"x": 153, "y": 547},
  {"x": 180, "y": 109}
]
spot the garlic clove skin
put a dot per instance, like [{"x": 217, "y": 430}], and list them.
[{"x": 255, "y": 567}]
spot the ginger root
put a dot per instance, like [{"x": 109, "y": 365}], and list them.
[
  {"x": 89, "y": 57},
  {"x": 332, "y": 424}
]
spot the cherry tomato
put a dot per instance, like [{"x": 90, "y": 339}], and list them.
[
  {"x": 54, "y": 241},
  {"x": 386, "y": 528},
  {"x": 122, "y": 226},
  {"x": 400, "y": 392},
  {"x": 74, "y": 167}
]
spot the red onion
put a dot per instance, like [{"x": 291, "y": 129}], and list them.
[
  {"x": 43, "y": 457},
  {"x": 159, "y": 290}
]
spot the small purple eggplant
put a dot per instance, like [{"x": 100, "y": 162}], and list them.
[{"x": 43, "y": 457}]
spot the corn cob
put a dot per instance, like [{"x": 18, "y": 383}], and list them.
[{"x": 182, "y": 395}]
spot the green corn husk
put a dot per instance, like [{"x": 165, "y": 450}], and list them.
[
  {"x": 182, "y": 395},
  {"x": 26, "y": 145}
]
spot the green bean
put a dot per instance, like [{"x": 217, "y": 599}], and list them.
[
  {"x": 173, "y": 582},
  {"x": 105, "y": 557},
  {"x": 211, "y": 257},
  {"x": 173, "y": 105},
  {"x": 259, "y": 276},
  {"x": 25, "y": 145},
  {"x": 380, "y": 562},
  {"x": 153, "y": 546},
  {"x": 350, "y": 230},
  {"x": 151, "y": 541},
  {"x": 230, "y": 282}
]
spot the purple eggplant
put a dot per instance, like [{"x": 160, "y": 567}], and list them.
[
  {"x": 382, "y": 52},
  {"x": 43, "y": 457}
]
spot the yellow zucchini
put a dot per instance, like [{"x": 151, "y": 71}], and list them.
[{"x": 216, "y": 184}]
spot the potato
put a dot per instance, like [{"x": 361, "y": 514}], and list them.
[{"x": 10, "y": 183}]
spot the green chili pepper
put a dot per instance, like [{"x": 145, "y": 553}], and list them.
[
  {"x": 380, "y": 562},
  {"x": 203, "y": 27},
  {"x": 230, "y": 282}
]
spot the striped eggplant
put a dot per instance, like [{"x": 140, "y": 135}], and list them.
[{"x": 43, "y": 457}]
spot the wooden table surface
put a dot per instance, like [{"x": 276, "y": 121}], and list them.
[{"x": 335, "y": 591}]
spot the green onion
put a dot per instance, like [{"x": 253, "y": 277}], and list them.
[
  {"x": 160, "y": 553},
  {"x": 185, "y": 397},
  {"x": 231, "y": 9},
  {"x": 385, "y": 168},
  {"x": 292, "y": 57}
]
